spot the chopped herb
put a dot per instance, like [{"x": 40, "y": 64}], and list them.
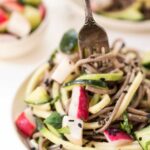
[
  {"x": 55, "y": 120},
  {"x": 125, "y": 125}
]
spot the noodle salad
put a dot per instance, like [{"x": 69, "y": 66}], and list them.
[{"x": 99, "y": 101}]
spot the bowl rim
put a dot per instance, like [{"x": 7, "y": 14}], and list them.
[{"x": 22, "y": 84}]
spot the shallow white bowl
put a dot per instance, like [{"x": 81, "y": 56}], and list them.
[
  {"x": 123, "y": 25},
  {"x": 12, "y": 48},
  {"x": 18, "y": 106}
]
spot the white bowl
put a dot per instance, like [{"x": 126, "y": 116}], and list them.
[
  {"x": 124, "y": 25},
  {"x": 18, "y": 106},
  {"x": 12, "y": 48}
]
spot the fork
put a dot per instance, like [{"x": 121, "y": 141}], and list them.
[{"x": 92, "y": 37}]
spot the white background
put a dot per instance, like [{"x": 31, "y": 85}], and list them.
[{"x": 12, "y": 72}]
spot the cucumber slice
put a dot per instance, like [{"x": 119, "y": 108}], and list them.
[
  {"x": 31, "y": 2},
  {"x": 43, "y": 107},
  {"x": 41, "y": 113},
  {"x": 33, "y": 16},
  {"x": 146, "y": 60},
  {"x": 143, "y": 137},
  {"x": 107, "y": 77},
  {"x": 95, "y": 83},
  {"x": 38, "y": 96}
]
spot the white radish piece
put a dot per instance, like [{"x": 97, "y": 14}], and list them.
[
  {"x": 63, "y": 70},
  {"x": 75, "y": 129},
  {"x": 18, "y": 25}
]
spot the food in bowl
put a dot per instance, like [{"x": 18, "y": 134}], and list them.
[
  {"x": 19, "y": 18},
  {"x": 133, "y": 10},
  {"x": 92, "y": 103}
]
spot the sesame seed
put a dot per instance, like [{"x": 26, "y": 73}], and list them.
[
  {"x": 140, "y": 138},
  {"x": 93, "y": 145},
  {"x": 80, "y": 125},
  {"x": 61, "y": 146},
  {"x": 125, "y": 91},
  {"x": 71, "y": 120}
]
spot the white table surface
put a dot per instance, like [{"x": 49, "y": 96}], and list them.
[{"x": 13, "y": 72}]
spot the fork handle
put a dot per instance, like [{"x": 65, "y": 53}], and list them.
[{"x": 88, "y": 12}]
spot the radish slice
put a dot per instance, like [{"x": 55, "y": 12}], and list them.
[
  {"x": 117, "y": 137},
  {"x": 3, "y": 16},
  {"x": 25, "y": 123},
  {"x": 63, "y": 70},
  {"x": 75, "y": 128},
  {"x": 79, "y": 103},
  {"x": 20, "y": 29}
]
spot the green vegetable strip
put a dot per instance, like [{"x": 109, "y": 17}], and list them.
[
  {"x": 56, "y": 140},
  {"x": 56, "y": 94},
  {"x": 106, "y": 76},
  {"x": 95, "y": 99},
  {"x": 94, "y": 83},
  {"x": 64, "y": 97}
]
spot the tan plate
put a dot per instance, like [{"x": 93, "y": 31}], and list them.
[{"x": 143, "y": 26}]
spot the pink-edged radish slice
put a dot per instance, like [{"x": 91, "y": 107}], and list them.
[
  {"x": 117, "y": 137},
  {"x": 42, "y": 10},
  {"x": 64, "y": 68},
  {"x": 75, "y": 127},
  {"x": 26, "y": 123},
  {"x": 18, "y": 25},
  {"x": 3, "y": 16},
  {"x": 13, "y": 6},
  {"x": 79, "y": 103}
]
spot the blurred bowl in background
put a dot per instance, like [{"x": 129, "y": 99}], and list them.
[
  {"x": 122, "y": 25},
  {"x": 11, "y": 47}
]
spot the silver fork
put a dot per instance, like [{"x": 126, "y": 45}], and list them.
[{"x": 92, "y": 37}]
